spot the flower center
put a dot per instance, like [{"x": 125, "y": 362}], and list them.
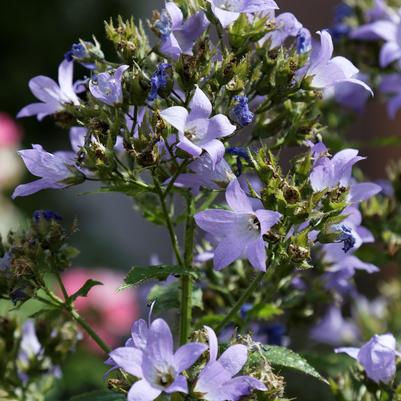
[
  {"x": 165, "y": 378},
  {"x": 254, "y": 224}
]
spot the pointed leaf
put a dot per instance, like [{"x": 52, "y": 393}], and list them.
[
  {"x": 138, "y": 274},
  {"x": 285, "y": 358},
  {"x": 84, "y": 290}
]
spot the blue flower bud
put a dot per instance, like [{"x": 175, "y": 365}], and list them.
[
  {"x": 47, "y": 215},
  {"x": 241, "y": 153},
  {"x": 159, "y": 80},
  {"x": 304, "y": 41},
  {"x": 164, "y": 24},
  {"x": 241, "y": 113},
  {"x": 275, "y": 334},
  {"x": 245, "y": 309},
  {"x": 346, "y": 237},
  {"x": 77, "y": 50}
]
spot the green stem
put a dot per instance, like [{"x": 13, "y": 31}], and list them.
[
  {"x": 78, "y": 318},
  {"x": 62, "y": 287},
  {"x": 170, "y": 227},
  {"x": 244, "y": 297},
  {"x": 186, "y": 279},
  {"x": 171, "y": 183}
]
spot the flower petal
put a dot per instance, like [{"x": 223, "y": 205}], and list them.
[
  {"x": 362, "y": 191},
  {"x": 40, "y": 109},
  {"x": 255, "y": 6},
  {"x": 213, "y": 343},
  {"x": 179, "y": 385},
  {"x": 225, "y": 17},
  {"x": 175, "y": 14},
  {"x": 227, "y": 252},
  {"x": 267, "y": 219},
  {"x": 176, "y": 116},
  {"x": 219, "y": 127},
  {"x": 389, "y": 53},
  {"x": 200, "y": 105},
  {"x": 160, "y": 341},
  {"x": 237, "y": 199},
  {"x": 351, "y": 351},
  {"x": 220, "y": 222},
  {"x": 234, "y": 358},
  {"x": 65, "y": 80},
  {"x": 187, "y": 355},
  {"x": 143, "y": 391},
  {"x": 256, "y": 254},
  {"x": 216, "y": 150},
  {"x": 129, "y": 359},
  {"x": 139, "y": 333},
  {"x": 187, "y": 146}
]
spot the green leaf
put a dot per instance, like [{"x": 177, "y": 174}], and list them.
[
  {"x": 168, "y": 297},
  {"x": 285, "y": 358},
  {"x": 101, "y": 395},
  {"x": 84, "y": 290},
  {"x": 138, "y": 274}
]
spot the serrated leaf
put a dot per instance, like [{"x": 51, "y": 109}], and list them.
[
  {"x": 101, "y": 395},
  {"x": 84, "y": 290},
  {"x": 168, "y": 297},
  {"x": 138, "y": 274},
  {"x": 284, "y": 357}
]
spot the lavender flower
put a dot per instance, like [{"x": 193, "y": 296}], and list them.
[
  {"x": 286, "y": 25},
  {"x": 107, "y": 86},
  {"x": 352, "y": 96},
  {"x": 228, "y": 11},
  {"x": 326, "y": 71},
  {"x": 338, "y": 276},
  {"x": 241, "y": 113},
  {"x": 377, "y": 356},
  {"x": 30, "y": 352},
  {"x": 196, "y": 130},
  {"x": 204, "y": 174},
  {"x": 328, "y": 173},
  {"x": 388, "y": 30},
  {"x": 216, "y": 382},
  {"x": 53, "y": 97},
  {"x": 150, "y": 357},
  {"x": 391, "y": 85},
  {"x": 333, "y": 329},
  {"x": 178, "y": 36},
  {"x": 159, "y": 80},
  {"x": 239, "y": 231},
  {"x": 55, "y": 170},
  {"x": 380, "y": 11}
]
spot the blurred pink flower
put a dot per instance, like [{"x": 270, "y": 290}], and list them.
[
  {"x": 10, "y": 132},
  {"x": 108, "y": 311}
]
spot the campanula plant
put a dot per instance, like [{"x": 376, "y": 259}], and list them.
[{"x": 194, "y": 129}]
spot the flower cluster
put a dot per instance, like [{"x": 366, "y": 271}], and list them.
[{"x": 149, "y": 356}]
